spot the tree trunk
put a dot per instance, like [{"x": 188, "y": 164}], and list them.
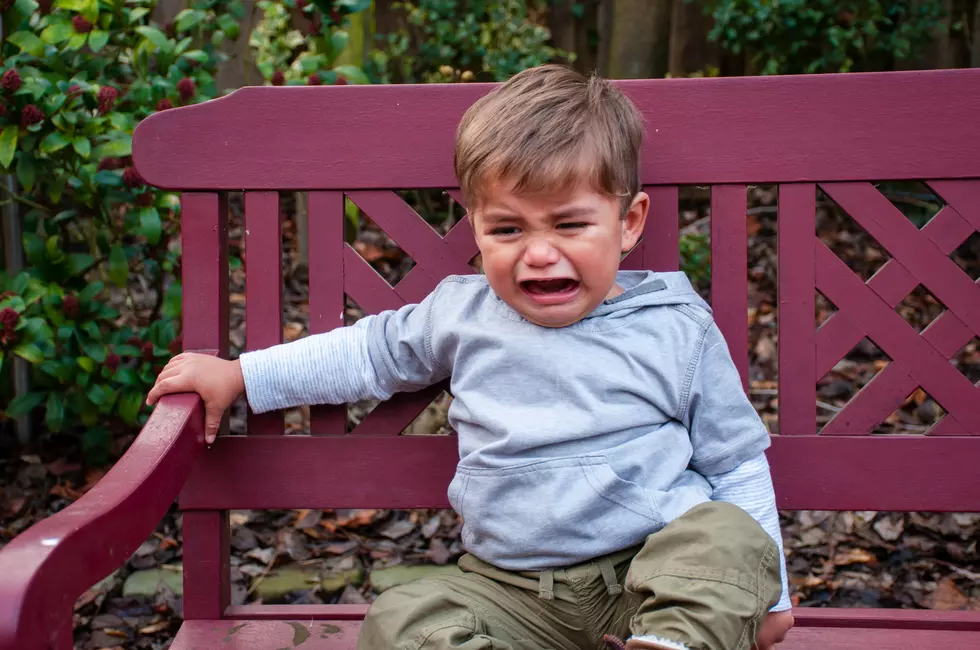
[{"x": 639, "y": 39}]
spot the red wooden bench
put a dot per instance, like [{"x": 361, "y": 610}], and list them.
[{"x": 833, "y": 132}]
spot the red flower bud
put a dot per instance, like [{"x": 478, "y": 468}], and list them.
[
  {"x": 107, "y": 99},
  {"x": 176, "y": 345},
  {"x": 278, "y": 78},
  {"x": 112, "y": 361},
  {"x": 341, "y": 80},
  {"x": 81, "y": 24},
  {"x": 314, "y": 80},
  {"x": 164, "y": 104},
  {"x": 110, "y": 163},
  {"x": 11, "y": 80},
  {"x": 31, "y": 114},
  {"x": 8, "y": 319},
  {"x": 186, "y": 88},
  {"x": 69, "y": 305},
  {"x": 132, "y": 178},
  {"x": 147, "y": 351}
]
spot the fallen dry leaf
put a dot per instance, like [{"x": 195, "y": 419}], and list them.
[
  {"x": 854, "y": 556},
  {"x": 947, "y": 596},
  {"x": 154, "y": 628}
]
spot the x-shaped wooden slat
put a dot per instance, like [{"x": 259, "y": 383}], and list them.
[
  {"x": 916, "y": 254},
  {"x": 435, "y": 258}
]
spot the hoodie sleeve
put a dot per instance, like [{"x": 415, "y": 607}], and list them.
[
  {"x": 749, "y": 486},
  {"x": 725, "y": 429},
  {"x": 373, "y": 359}
]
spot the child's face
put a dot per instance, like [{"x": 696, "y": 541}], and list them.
[{"x": 553, "y": 258}]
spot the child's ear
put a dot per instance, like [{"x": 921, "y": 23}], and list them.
[{"x": 635, "y": 220}]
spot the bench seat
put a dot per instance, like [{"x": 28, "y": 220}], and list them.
[{"x": 342, "y": 635}]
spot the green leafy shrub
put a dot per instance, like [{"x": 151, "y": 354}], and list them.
[
  {"x": 98, "y": 309},
  {"x": 808, "y": 36},
  {"x": 286, "y": 56},
  {"x": 448, "y": 40}
]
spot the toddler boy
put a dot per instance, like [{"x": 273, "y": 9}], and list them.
[{"x": 611, "y": 479}]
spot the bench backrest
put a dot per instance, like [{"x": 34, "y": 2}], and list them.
[{"x": 838, "y": 133}]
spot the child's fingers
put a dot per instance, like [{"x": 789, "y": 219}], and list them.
[{"x": 175, "y": 384}]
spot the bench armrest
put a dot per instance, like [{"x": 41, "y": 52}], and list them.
[{"x": 45, "y": 569}]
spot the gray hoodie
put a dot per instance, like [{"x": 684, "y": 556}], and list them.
[{"x": 574, "y": 442}]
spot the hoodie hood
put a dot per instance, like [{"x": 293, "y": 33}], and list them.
[{"x": 647, "y": 289}]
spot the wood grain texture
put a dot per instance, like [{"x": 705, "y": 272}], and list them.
[
  {"x": 206, "y": 550},
  {"x": 332, "y": 628},
  {"x": 204, "y": 240},
  {"x": 238, "y": 634},
  {"x": 263, "y": 290},
  {"x": 730, "y": 272},
  {"x": 326, "y": 265},
  {"x": 49, "y": 565},
  {"x": 797, "y": 327},
  {"x": 810, "y": 472},
  {"x": 770, "y": 129}
]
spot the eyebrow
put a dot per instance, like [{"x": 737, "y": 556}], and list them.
[{"x": 570, "y": 212}]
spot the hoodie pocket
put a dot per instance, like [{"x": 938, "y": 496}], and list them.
[{"x": 549, "y": 513}]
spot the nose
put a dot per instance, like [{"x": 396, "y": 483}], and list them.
[{"x": 540, "y": 252}]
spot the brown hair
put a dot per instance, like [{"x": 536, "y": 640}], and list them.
[{"x": 547, "y": 128}]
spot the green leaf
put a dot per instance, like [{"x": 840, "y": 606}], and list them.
[
  {"x": 118, "y": 147},
  {"x": 338, "y": 41},
  {"x": 188, "y": 18},
  {"x": 156, "y": 37},
  {"x": 129, "y": 407},
  {"x": 106, "y": 177},
  {"x": 30, "y": 352},
  {"x": 57, "y": 33},
  {"x": 8, "y": 145},
  {"x": 82, "y": 146},
  {"x": 96, "y": 395},
  {"x": 229, "y": 25},
  {"x": 352, "y": 73},
  {"x": 137, "y": 13},
  {"x": 28, "y": 43},
  {"x": 78, "y": 263},
  {"x": 91, "y": 291},
  {"x": 77, "y": 41},
  {"x": 198, "y": 56},
  {"x": 172, "y": 300},
  {"x": 26, "y": 171},
  {"x": 24, "y": 404},
  {"x": 88, "y": 8},
  {"x": 98, "y": 39},
  {"x": 55, "y": 411},
  {"x": 118, "y": 266},
  {"x": 150, "y": 225},
  {"x": 34, "y": 248},
  {"x": 86, "y": 363},
  {"x": 54, "y": 141}
]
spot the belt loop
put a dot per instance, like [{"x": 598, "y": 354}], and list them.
[
  {"x": 608, "y": 572},
  {"x": 546, "y": 585}
]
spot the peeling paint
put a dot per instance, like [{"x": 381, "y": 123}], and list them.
[{"x": 300, "y": 634}]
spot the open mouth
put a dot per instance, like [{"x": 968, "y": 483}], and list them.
[{"x": 550, "y": 290}]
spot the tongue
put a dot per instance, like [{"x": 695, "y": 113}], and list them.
[{"x": 549, "y": 286}]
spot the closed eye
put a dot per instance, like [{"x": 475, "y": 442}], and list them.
[
  {"x": 504, "y": 231},
  {"x": 572, "y": 225}
]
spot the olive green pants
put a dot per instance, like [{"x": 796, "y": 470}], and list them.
[{"x": 705, "y": 581}]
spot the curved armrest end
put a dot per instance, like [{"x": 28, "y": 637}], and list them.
[{"x": 48, "y": 566}]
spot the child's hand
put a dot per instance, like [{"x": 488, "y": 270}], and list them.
[
  {"x": 219, "y": 382},
  {"x": 774, "y": 628}
]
